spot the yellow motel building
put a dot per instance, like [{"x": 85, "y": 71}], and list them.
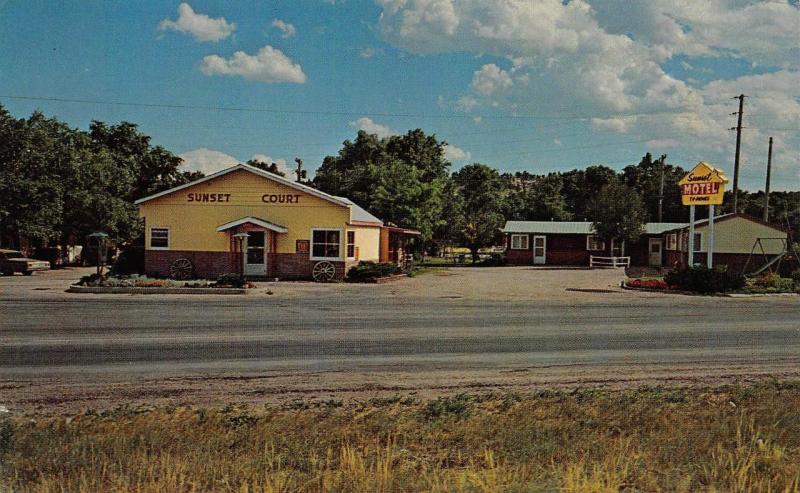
[{"x": 244, "y": 220}]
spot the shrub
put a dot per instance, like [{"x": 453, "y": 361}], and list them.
[
  {"x": 796, "y": 277},
  {"x": 495, "y": 260},
  {"x": 371, "y": 270},
  {"x": 704, "y": 280},
  {"x": 230, "y": 281},
  {"x": 129, "y": 261},
  {"x": 91, "y": 280},
  {"x": 458, "y": 406}
]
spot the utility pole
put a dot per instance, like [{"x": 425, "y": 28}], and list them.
[
  {"x": 766, "y": 188},
  {"x": 661, "y": 189},
  {"x": 738, "y": 129},
  {"x": 300, "y": 172}
]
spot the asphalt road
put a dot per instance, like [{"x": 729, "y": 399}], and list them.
[
  {"x": 41, "y": 337},
  {"x": 460, "y": 331}
]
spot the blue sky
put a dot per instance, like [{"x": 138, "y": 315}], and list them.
[{"x": 519, "y": 85}]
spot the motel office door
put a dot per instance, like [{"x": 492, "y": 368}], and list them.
[
  {"x": 255, "y": 258},
  {"x": 539, "y": 249}
]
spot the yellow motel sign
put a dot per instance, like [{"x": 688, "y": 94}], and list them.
[{"x": 704, "y": 185}]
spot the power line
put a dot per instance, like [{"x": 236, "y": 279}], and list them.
[{"x": 326, "y": 113}]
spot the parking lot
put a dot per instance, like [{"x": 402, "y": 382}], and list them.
[{"x": 457, "y": 283}]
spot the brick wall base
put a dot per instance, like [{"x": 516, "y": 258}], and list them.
[
  {"x": 210, "y": 265},
  {"x": 207, "y": 265}
]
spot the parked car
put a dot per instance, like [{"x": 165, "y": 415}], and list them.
[{"x": 12, "y": 261}]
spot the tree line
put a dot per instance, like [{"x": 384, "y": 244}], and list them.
[{"x": 59, "y": 184}]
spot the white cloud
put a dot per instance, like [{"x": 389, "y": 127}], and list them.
[
  {"x": 282, "y": 166},
  {"x": 268, "y": 65},
  {"x": 369, "y": 126},
  {"x": 453, "y": 153},
  {"x": 557, "y": 142},
  {"x": 370, "y": 52},
  {"x": 200, "y": 26},
  {"x": 466, "y": 103},
  {"x": 207, "y": 160},
  {"x": 603, "y": 61},
  {"x": 477, "y": 119},
  {"x": 287, "y": 29},
  {"x": 618, "y": 125},
  {"x": 489, "y": 79}
]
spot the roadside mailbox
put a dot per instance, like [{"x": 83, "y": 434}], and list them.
[{"x": 704, "y": 185}]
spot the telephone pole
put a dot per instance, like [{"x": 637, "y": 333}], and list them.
[
  {"x": 300, "y": 172},
  {"x": 661, "y": 189},
  {"x": 766, "y": 188},
  {"x": 738, "y": 129}
]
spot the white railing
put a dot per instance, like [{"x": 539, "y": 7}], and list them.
[{"x": 609, "y": 261}]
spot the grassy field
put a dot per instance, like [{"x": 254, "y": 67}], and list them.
[{"x": 726, "y": 439}]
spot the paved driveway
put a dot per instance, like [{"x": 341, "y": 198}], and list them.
[{"x": 458, "y": 283}]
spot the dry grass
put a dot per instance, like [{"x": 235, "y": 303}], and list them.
[{"x": 649, "y": 439}]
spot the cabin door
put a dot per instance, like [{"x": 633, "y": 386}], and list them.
[
  {"x": 654, "y": 247},
  {"x": 255, "y": 259},
  {"x": 539, "y": 249}
]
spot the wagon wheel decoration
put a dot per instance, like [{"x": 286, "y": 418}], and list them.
[
  {"x": 181, "y": 269},
  {"x": 323, "y": 271}
]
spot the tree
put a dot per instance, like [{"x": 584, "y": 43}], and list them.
[
  {"x": 645, "y": 178},
  {"x": 398, "y": 178},
  {"x": 617, "y": 213},
  {"x": 269, "y": 168},
  {"x": 580, "y": 186},
  {"x": 155, "y": 169},
  {"x": 482, "y": 196}
]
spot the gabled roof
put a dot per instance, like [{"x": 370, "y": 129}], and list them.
[
  {"x": 576, "y": 227},
  {"x": 729, "y": 216},
  {"x": 255, "y": 171},
  {"x": 360, "y": 215},
  {"x": 254, "y": 220}
]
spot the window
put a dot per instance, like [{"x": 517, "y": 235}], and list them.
[
  {"x": 594, "y": 243},
  {"x": 672, "y": 241},
  {"x": 519, "y": 242},
  {"x": 325, "y": 244},
  {"x": 351, "y": 244},
  {"x": 159, "y": 238},
  {"x": 698, "y": 242}
]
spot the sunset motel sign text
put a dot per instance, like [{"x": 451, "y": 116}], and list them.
[{"x": 704, "y": 185}]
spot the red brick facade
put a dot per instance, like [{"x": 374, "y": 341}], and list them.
[
  {"x": 210, "y": 265},
  {"x": 207, "y": 265},
  {"x": 570, "y": 249}
]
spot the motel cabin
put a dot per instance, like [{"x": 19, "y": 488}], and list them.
[
  {"x": 243, "y": 220},
  {"x": 574, "y": 242},
  {"x": 741, "y": 241}
]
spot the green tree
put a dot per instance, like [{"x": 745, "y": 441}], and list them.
[
  {"x": 269, "y": 168},
  {"x": 398, "y": 178},
  {"x": 645, "y": 178},
  {"x": 482, "y": 195},
  {"x": 155, "y": 169},
  {"x": 617, "y": 213},
  {"x": 580, "y": 186}
]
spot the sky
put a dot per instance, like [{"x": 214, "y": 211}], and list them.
[{"x": 535, "y": 85}]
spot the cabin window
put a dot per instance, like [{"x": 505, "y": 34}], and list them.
[
  {"x": 698, "y": 242},
  {"x": 159, "y": 238},
  {"x": 519, "y": 242},
  {"x": 594, "y": 243},
  {"x": 325, "y": 244},
  {"x": 351, "y": 244},
  {"x": 672, "y": 241}
]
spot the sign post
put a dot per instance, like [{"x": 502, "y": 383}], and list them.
[{"x": 704, "y": 185}]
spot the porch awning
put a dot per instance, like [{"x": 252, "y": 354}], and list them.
[{"x": 254, "y": 220}]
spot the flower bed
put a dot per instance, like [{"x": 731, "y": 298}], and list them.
[
  {"x": 138, "y": 281},
  {"x": 647, "y": 284}
]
